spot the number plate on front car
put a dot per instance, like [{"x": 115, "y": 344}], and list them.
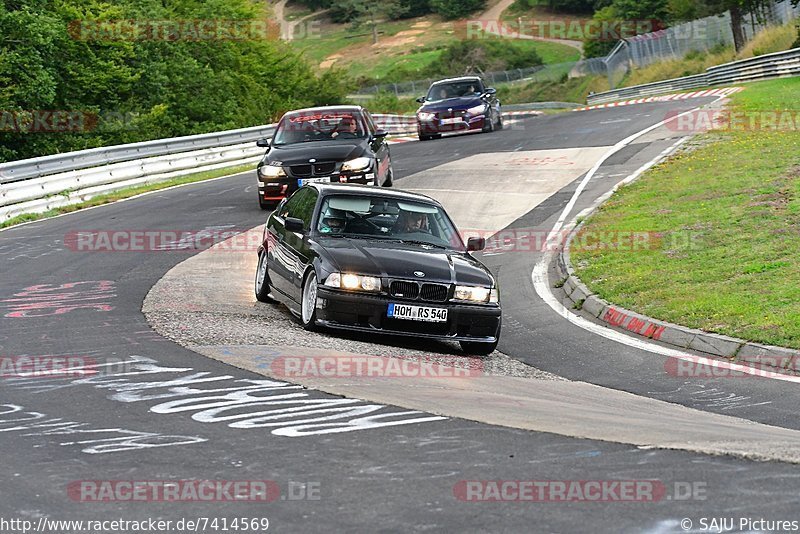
[
  {"x": 303, "y": 181},
  {"x": 417, "y": 313}
]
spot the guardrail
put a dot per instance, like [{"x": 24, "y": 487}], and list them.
[
  {"x": 778, "y": 64},
  {"x": 49, "y": 182}
]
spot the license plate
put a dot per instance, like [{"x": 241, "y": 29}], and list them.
[
  {"x": 417, "y": 313},
  {"x": 454, "y": 120},
  {"x": 303, "y": 181}
]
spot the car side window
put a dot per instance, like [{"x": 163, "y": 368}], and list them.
[
  {"x": 370, "y": 122},
  {"x": 286, "y": 207},
  {"x": 302, "y": 205}
]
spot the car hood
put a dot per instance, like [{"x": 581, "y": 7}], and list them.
[
  {"x": 462, "y": 102},
  {"x": 319, "y": 150},
  {"x": 401, "y": 260}
]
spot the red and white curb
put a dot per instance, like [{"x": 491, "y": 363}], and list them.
[{"x": 665, "y": 98}]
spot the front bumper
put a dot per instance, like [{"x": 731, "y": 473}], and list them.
[
  {"x": 435, "y": 126},
  {"x": 367, "y": 313},
  {"x": 278, "y": 188}
]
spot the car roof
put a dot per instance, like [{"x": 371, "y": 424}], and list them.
[
  {"x": 459, "y": 79},
  {"x": 357, "y": 189},
  {"x": 293, "y": 112}
]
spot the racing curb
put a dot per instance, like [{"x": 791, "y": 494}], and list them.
[{"x": 682, "y": 337}]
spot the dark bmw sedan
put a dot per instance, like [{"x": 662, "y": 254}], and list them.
[
  {"x": 328, "y": 144},
  {"x": 378, "y": 261},
  {"x": 457, "y": 105}
]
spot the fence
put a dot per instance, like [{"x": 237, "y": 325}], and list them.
[
  {"x": 698, "y": 35},
  {"x": 775, "y": 65}
]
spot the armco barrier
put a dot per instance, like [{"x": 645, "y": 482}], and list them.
[
  {"x": 779, "y": 64},
  {"x": 41, "y": 184}
]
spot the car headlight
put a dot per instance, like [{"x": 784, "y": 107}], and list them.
[
  {"x": 271, "y": 171},
  {"x": 476, "y": 294},
  {"x": 477, "y": 110},
  {"x": 358, "y": 164},
  {"x": 425, "y": 116},
  {"x": 355, "y": 282}
]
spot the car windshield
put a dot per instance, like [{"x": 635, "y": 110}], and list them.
[
  {"x": 319, "y": 126},
  {"x": 441, "y": 91},
  {"x": 377, "y": 217}
]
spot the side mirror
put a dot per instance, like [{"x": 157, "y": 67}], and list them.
[
  {"x": 380, "y": 134},
  {"x": 263, "y": 143},
  {"x": 490, "y": 91},
  {"x": 421, "y": 100},
  {"x": 475, "y": 244},
  {"x": 293, "y": 224}
]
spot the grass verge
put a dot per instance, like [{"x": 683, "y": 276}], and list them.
[
  {"x": 126, "y": 193},
  {"x": 723, "y": 222}
]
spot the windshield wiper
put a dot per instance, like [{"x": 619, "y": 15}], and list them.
[{"x": 426, "y": 243}]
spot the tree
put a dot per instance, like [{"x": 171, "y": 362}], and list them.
[
  {"x": 140, "y": 89},
  {"x": 370, "y": 12},
  {"x": 453, "y": 9}
]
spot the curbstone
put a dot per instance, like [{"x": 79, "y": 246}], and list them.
[
  {"x": 768, "y": 355},
  {"x": 594, "y": 305},
  {"x": 569, "y": 285},
  {"x": 680, "y": 337},
  {"x": 580, "y": 293},
  {"x": 716, "y": 344}
]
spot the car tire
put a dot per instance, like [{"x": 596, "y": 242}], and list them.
[
  {"x": 389, "y": 177},
  {"x": 262, "y": 280},
  {"x": 488, "y": 125},
  {"x": 477, "y": 348},
  {"x": 425, "y": 137},
  {"x": 308, "y": 301},
  {"x": 500, "y": 122}
]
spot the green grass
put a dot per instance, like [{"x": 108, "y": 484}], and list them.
[
  {"x": 403, "y": 62},
  {"x": 570, "y": 90},
  {"x": 724, "y": 222},
  {"x": 126, "y": 193}
]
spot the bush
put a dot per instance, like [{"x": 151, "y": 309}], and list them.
[
  {"x": 454, "y": 9},
  {"x": 466, "y": 57}
]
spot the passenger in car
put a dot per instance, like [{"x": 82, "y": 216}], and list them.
[{"x": 410, "y": 222}]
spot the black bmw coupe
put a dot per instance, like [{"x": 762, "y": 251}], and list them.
[
  {"x": 338, "y": 144},
  {"x": 378, "y": 261}
]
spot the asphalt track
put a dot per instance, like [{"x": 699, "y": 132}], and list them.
[{"x": 60, "y": 430}]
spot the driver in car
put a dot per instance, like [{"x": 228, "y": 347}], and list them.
[
  {"x": 346, "y": 126},
  {"x": 333, "y": 222}
]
